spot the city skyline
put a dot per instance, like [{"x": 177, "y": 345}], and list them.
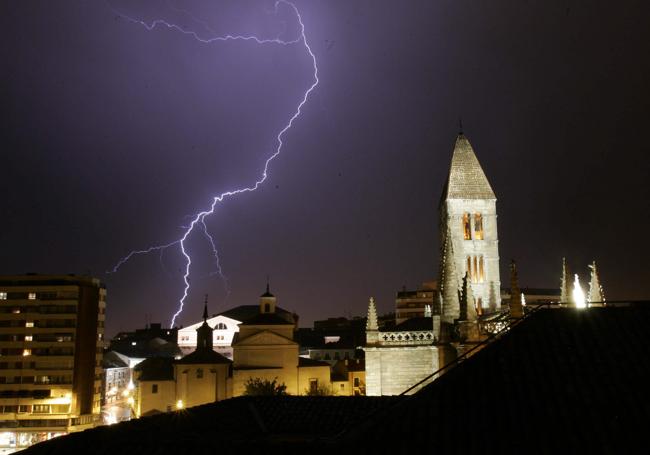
[{"x": 115, "y": 135}]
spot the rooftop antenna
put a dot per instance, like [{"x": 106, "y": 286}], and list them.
[{"x": 460, "y": 125}]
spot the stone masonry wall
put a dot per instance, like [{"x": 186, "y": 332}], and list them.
[{"x": 392, "y": 370}]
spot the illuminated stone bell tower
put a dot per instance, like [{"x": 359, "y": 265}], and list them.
[{"x": 468, "y": 228}]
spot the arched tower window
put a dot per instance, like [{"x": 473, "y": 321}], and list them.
[
  {"x": 475, "y": 274},
  {"x": 478, "y": 226},
  {"x": 467, "y": 228},
  {"x": 469, "y": 266},
  {"x": 481, "y": 270}
]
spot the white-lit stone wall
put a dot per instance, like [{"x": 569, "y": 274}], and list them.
[
  {"x": 392, "y": 370},
  {"x": 452, "y": 216}
]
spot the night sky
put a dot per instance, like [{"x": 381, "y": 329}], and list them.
[{"x": 113, "y": 136}]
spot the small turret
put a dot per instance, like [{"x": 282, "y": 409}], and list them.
[
  {"x": 267, "y": 301},
  {"x": 372, "y": 325},
  {"x": 565, "y": 293},
  {"x": 596, "y": 296}
]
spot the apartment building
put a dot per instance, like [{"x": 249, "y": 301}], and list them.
[{"x": 51, "y": 340}]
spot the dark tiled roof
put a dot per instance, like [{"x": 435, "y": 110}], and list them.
[
  {"x": 156, "y": 369},
  {"x": 240, "y": 423},
  {"x": 562, "y": 381},
  {"x": 244, "y": 312},
  {"x": 306, "y": 362},
  {"x": 113, "y": 360},
  {"x": 156, "y": 347},
  {"x": 203, "y": 356}
]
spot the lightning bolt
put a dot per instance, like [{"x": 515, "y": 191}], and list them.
[{"x": 198, "y": 219}]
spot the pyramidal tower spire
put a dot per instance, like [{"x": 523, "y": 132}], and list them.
[
  {"x": 596, "y": 295},
  {"x": 468, "y": 217},
  {"x": 466, "y": 178}
]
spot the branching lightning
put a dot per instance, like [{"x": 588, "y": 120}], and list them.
[{"x": 199, "y": 218}]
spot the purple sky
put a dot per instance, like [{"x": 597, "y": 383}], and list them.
[{"x": 112, "y": 136}]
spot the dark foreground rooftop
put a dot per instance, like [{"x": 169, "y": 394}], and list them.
[{"x": 561, "y": 381}]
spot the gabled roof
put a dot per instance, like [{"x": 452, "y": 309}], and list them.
[
  {"x": 112, "y": 359},
  {"x": 466, "y": 178}
]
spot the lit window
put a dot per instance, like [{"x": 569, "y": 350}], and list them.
[
  {"x": 475, "y": 274},
  {"x": 16, "y": 311},
  {"x": 481, "y": 270},
  {"x": 28, "y": 338},
  {"x": 27, "y": 352},
  {"x": 32, "y": 296},
  {"x": 478, "y": 226},
  {"x": 469, "y": 266},
  {"x": 467, "y": 229},
  {"x": 3, "y": 296},
  {"x": 29, "y": 324},
  {"x": 133, "y": 343}
]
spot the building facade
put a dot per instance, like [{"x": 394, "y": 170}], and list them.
[
  {"x": 413, "y": 304},
  {"x": 51, "y": 342}
]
